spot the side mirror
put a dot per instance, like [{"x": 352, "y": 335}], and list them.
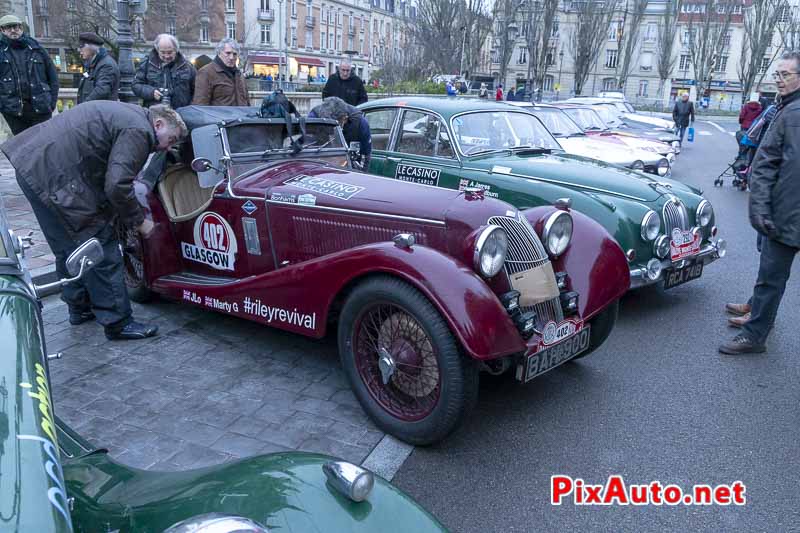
[
  {"x": 85, "y": 256},
  {"x": 355, "y": 147},
  {"x": 201, "y": 164}
]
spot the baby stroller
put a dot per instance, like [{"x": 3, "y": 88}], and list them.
[{"x": 739, "y": 168}]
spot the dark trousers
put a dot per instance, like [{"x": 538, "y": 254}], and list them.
[
  {"x": 773, "y": 273},
  {"x": 18, "y": 124},
  {"x": 682, "y": 132},
  {"x": 102, "y": 289}
]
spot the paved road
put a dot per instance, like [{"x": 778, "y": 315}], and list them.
[{"x": 657, "y": 402}]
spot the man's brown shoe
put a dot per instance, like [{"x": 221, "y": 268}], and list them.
[
  {"x": 741, "y": 345},
  {"x": 737, "y": 309},
  {"x": 738, "y": 321}
]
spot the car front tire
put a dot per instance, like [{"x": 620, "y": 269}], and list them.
[{"x": 602, "y": 325}]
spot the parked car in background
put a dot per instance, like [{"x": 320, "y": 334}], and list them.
[
  {"x": 55, "y": 481},
  {"x": 574, "y": 140},
  {"x": 666, "y": 228},
  {"x": 426, "y": 288},
  {"x": 617, "y": 120},
  {"x": 589, "y": 120}
]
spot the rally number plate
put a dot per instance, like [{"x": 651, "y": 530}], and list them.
[
  {"x": 680, "y": 276},
  {"x": 547, "y": 359}
]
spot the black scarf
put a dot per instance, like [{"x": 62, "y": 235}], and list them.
[{"x": 229, "y": 71}]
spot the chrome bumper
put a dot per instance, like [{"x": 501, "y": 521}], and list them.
[{"x": 708, "y": 254}]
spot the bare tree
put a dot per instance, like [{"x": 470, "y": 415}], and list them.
[
  {"x": 628, "y": 41},
  {"x": 760, "y": 20},
  {"x": 708, "y": 36},
  {"x": 476, "y": 25},
  {"x": 434, "y": 31},
  {"x": 506, "y": 30},
  {"x": 540, "y": 19},
  {"x": 665, "y": 51},
  {"x": 591, "y": 27},
  {"x": 789, "y": 26}
]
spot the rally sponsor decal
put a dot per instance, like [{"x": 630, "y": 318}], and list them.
[
  {"x": 307, "y": 199},
  {"x": 487, "y": 189},
  {"x": 283, "y": 197},
  {"x": 553, "y": 333},
  {"x": 249, "y": 207},
  {"x": 214, "y": 242},
  {"x": 417, "y": 174},
  {"x": 254, "y": 307},
  {"x": 683, "y": 244},
  {"x": 337, "y": 189}
]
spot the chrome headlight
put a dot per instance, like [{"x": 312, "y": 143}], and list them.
[
  {"x": 661, "y": 247},
  {"x": 216, "y": 523},
  {"x": 490, "y": 250},
  {"x": 663, "y": 167},
  {"x": 704, "y": 213},
  {"x": 350, "y": 480},
  {"x": 651, "y": 226},
  {"x": 557, "y": 233},
  {"x": 637, "y": 165}
]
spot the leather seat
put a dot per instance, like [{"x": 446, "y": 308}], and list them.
[{"x": 181, "y": 194}]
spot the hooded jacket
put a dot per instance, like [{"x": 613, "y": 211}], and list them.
[
  {"x": 178, "y": 77},
  {"x": 41, "y": 77},
  {"x": 748, "y": 114}
]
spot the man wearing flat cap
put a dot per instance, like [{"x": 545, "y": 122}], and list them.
[
  {"x": 101, "y": 79},
  {"x": 28, "y": 78}
]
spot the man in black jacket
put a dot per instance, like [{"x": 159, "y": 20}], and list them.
[
  {"x": 77, "y": 172},
  {"x": 774, "y": 209},
  {"x": 683, "y": 114},
  {"x": 101, "y": 79},
  {"x": 28, "y": 78},
  {"x": 346, "y": 85},
  {"x": 165, "y": 77}
]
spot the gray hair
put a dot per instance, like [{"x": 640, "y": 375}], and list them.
[
  {"x": 335, "y": 108},
  {"x": 93, "y": 47},
  {"x": 346, "y": 60},
  {"x": 171, "y": 117},
  {"x": 228, "y": 40},
  {"x": 794, "y": 55},
  {"x": 171, "y": 38}
]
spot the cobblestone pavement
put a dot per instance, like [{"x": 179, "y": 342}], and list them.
[
  {"x": 208, "y": 389},
  {"x": 22, "y": 220}
]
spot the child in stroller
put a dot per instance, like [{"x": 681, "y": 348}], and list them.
[{"x": 748, "y": 142}]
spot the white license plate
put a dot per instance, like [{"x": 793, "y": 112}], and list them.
[{"x": 547, "y": 359}]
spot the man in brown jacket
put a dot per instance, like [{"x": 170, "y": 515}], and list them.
[
  {"x": 77, "y": 172},
  {"x": 221, "y": 82}
]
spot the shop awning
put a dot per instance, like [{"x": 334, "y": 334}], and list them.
[
  {"x": 310, "y": 61},
  {"x": 263, "y": 59}
]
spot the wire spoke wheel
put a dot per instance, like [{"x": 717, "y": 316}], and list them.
[{"x": 130, "y": 248}]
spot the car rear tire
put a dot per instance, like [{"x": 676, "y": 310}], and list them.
[
  {"x": 602, "y": 325},
  {"x": 403, "y": 362},
  {"x": 130, "y": 246}
]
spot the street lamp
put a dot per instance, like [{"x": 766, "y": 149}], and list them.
[
  {"x": 282, "y": 47},
  {"x": 560, "y": 67},
  {"x": 125, "y": 44}
]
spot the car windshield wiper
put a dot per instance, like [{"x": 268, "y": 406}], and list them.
[
  {"x": 315, "y": 145},
  {"x": 481, "y": 150},
  {"x": 533, "y": 149},
  {"x": 594, "y": 128}
]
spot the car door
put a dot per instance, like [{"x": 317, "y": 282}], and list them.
[
  {"x": 381, "y": 123},
  {"x": 423, "y": 151}
]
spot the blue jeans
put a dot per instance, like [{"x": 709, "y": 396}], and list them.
[
  {"x": 102, "y": 289},
  {"x": 773, "y": 273},
  {"x": 682, "y": 132}
]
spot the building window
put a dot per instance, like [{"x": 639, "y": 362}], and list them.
[
  {"x": 171, "y": 27},
  {"x": 294, "y": 37},
  {"x": 138, "y": 29},
  {"x": 609, "y": 84},
  {"x": 43, "y": 5},
  {"x": 70, "y": 4},
  {"x": 338, "y": 42},
  {"x": 45, "y": 27},
  {"x": 323, "y": 39},
  {"x": 726, "y": 39},
  {"x": 293, "y": 3},
  {"x": 615, "y": 30},
  {"x": 230, "y": 5},
  {"x": 764, "y": 65},
  {"x": 611, "y": 59},
  {"x": 266, "y": 34},
  {"x": 523, "y": 56},
  {"x": 265, "y": 5},
  {"x": 204, "y": 32},
  {"x": 350, "y": 43},
  {"x": 230, "y": 30},
  {"x": 361, "y": 46},
  {"x": 786, "y": 14},
  {"x": 685, "y": 62},
  {"x": 651, "y": 34},
  {"x": 550, "y": 58},
  {"x": 643, "y": 88},
  {"x": 204, "y": 6},
  {"x": 548, "y": 84},
  {"x": 555, "y": 27},
  {"x": 309, "y": 39},
  {"x": 721, "y": 64},
  {"x": 646, "y": 62}
]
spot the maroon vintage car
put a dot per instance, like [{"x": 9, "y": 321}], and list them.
[{"x": 428, "y": 287}]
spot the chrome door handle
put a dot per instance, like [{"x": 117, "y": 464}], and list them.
[{"x": 394, "y": 159}]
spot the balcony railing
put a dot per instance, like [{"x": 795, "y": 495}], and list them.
[
  {"x": 310, "y": 22},
  {"x": 266, "y": 14}
]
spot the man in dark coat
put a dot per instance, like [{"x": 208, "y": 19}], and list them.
[
  {"x": 683, "y": 114},
  {"x": 345, "y": 85},
  {"x": 28, "y": 78},
  {"x": 77, "y": 172},
  {"x": 165, "y": 68},
  {"x": 774, "y": 209},
  {"x": 354, "y": 126},
  {"x": 221, "y": 81},
  {"x": 100, "y": 81}
]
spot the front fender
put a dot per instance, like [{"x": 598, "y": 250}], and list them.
[{"x": 596, "y": 266}]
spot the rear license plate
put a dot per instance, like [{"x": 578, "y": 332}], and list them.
[
  {"x": 547, "y": 359},
  {"x": 682, "y": 275}
]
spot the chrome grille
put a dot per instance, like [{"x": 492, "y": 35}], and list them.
[
  {"x": 525, "y": 251},
  {"x": 675, "y": 216}
]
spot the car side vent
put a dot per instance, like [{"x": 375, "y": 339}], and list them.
[{"x": 342, "y": 235}]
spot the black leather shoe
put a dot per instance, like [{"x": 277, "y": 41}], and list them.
[
  {"x": 133, "y": 331},
  {"x": 80, "y": 317},
  {"x": 741, "y": 344}
]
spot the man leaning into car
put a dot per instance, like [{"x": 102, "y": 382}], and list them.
[{"x": 77, "y": 171}]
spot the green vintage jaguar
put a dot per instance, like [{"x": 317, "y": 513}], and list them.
[
  {"x": 665, "y": 227},
  {"x": 54, "y": 481}
]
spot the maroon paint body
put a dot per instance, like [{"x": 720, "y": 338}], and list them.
[{"x": 311, "y": 254}]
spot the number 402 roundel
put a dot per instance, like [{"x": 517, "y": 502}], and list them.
[{"x": 214, "y": 242}]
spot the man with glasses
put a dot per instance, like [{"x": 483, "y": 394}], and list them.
[
  {"x": 100, "y": 81},
  {"x": 221, "y": 81},
  {"x": 28, "y": 78},
  {"x": 345, "y": 84},
  {"x": 165, "y": 77},
  {"x": 774, "y": 209},
  {"x": 77, "y": 172}
]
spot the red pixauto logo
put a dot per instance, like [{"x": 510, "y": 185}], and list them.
[{"x": 616, "y": 492}]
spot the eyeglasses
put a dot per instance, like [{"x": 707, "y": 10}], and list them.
[
  {"x": 12, "y": 27},
  {"x": 783, "y": 76}
]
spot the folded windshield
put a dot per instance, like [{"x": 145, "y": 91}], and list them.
[
  {"x": 488, "y": 131},
  {"x": 260, "y": 138}
]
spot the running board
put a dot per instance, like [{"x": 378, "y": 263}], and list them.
[{"x": 191, "y": 278}]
